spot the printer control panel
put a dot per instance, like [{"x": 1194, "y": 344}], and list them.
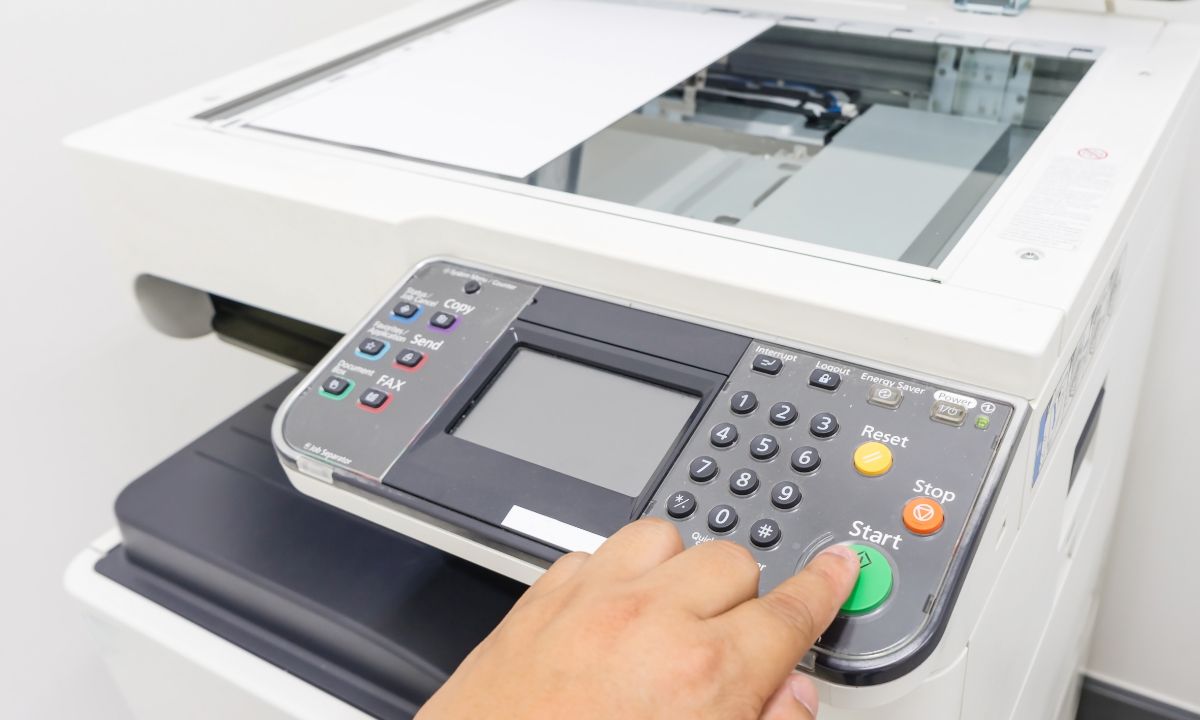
[
  {"x": 507, "y": 422},
  {"x": 801, "y": 451},
  {"x": 396, "y": 370}
]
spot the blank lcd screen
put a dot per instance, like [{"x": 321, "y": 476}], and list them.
[{"x": 600, "y": 427}]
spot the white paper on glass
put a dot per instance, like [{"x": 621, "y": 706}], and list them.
[{"x": 512, "y": 88}]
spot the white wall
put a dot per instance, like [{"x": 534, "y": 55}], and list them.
[{"x": 86, "y": 385}]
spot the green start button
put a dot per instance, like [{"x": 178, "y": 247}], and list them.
[{"x": 874, "y": 581}]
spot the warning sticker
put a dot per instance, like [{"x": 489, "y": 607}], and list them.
[{"x": 1065, "y": 201}]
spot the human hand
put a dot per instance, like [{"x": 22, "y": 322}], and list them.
[{"x": 642, "y": 629}]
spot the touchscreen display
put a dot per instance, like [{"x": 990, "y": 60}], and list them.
[{"x": 600, "y": 427}]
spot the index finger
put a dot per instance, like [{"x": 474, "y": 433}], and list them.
[{"x": 776, "y": 630}]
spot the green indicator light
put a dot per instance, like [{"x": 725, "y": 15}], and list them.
[
  {"x": 874, "y": 581},
  {"x": 982, "y": 422}
]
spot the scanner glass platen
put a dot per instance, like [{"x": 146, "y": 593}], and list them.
[{"x": 887, "y": 146}]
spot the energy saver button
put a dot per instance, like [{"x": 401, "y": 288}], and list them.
[
  {"x": 872, "y": 459},
  {"x": 884, "y": 397},
  {"x": 923, "y": 516},
  {"x": 874, "y": 583}
]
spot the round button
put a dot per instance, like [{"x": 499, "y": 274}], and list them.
[
  {"x": 763, "y": 447},
  {"x": 785, "y": 495},
  {"x": 723, "y": 435},
  {"x": 874, "y": 581},
  {"x": 765, "y": 533},
  {"x": 743, "y": 402},
  {"x": 872, "y": 459},
  {"x": 823, "y": 425},
  {"x": 702, "y": 469},
  {"x": 743, "y": 482},
  {"x": 805, "y": 459},
  {"x": 471, "y": 287},
  {"x": 923, "y": 516},
  {"x": 783, "y": 414},
  {"x": 722, "y": 518},
  {"x": 681, "y": 505}
]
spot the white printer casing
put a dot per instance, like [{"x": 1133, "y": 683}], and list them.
[{"x": 1053, "y": 314}]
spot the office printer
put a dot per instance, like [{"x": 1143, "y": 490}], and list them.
[{"x": 903, "y": 268}]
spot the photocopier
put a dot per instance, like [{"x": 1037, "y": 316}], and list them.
[{"x": 785, "y": 273}]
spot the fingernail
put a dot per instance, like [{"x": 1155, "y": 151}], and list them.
[
  {"x": 805, "y": 692},
  {"x": 842, "y": 551}
]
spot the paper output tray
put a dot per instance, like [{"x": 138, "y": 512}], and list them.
[{"x": 217, "y": 535}]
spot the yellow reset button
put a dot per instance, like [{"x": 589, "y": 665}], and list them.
[{"x": 872, "y": 459}]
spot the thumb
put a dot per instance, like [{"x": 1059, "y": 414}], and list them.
[{"x": 796, "y": 699}]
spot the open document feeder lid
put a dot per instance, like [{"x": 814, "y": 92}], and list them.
[{"x": 883, "y": 146}]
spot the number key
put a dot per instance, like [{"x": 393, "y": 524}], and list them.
[
  {"x": 723, "y": 435},
  {"x": 702, "y": 469},
  {"x": 763, "y": 447},
  {"x": 823, "y": 425},
  {"x": 743, "y": 482},
  {"x": 783, "y": 414},
  {"x": 805, "y": 459},
  {"x": 785, "y": 495},
  {"x": 722, "y": 519},
  {"x": 743, "y": 403}
]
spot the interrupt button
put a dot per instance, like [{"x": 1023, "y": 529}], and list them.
[{"x": 767, "y": 365}]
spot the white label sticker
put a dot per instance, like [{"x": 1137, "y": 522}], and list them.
[
  {"x": 556, "y": 532},
  {"x": 1070, "y": 193}
]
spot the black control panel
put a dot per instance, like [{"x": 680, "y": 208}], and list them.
[
  {"x": 801, "y": 451},
  {"x": 537, "y": 421}
]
